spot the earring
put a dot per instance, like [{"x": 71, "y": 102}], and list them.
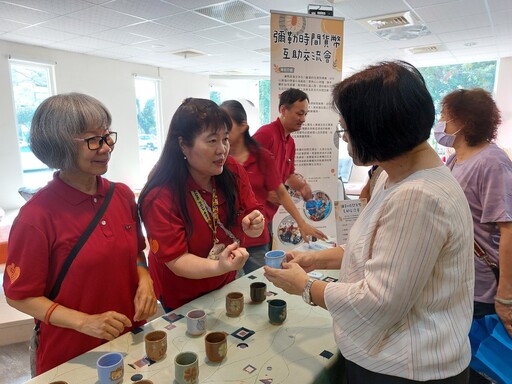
[{"x": 184, "y": 157}]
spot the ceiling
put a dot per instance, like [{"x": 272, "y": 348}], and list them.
[{"x": 233, "y": 37}]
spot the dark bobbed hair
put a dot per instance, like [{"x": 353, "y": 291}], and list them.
[
  {"x": 193, "y": 117},
  {"x": 476, "y": 111},
  {"x": 290, "y": 96},
  {"x": 58, "y": 120},
  {"x": 387, "y": 110}
]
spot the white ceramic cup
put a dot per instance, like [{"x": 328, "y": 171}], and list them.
[{"x": 196, "y": 322}]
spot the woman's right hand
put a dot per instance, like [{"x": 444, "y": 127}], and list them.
[
  {"x": 305, "y": 259},
  {"x": 106, "y": 325},
  {"x": 233, "y": 258}
]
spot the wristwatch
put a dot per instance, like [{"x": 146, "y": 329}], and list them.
[{"x": 306, "y": 294}]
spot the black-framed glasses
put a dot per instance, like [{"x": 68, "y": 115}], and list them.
[
  {"x": 340, "y": 130},
  {"x": 96, "y": 142}
]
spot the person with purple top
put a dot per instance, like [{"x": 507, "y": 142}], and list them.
[{"x": 469, "y": 123}]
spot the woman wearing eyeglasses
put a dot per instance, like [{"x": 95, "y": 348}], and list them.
[
  {"x": 402, "y": 306},
  {"x": 105, "y": 291}
]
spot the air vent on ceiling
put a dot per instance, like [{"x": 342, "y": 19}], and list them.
[
  {"x": 232, "y": 11},
  {"x": 188, "y": 53},
  {"x": 262, "y": 50},
  {"x": 424, "y": 49},
  {"x": 396, "y": 26}
]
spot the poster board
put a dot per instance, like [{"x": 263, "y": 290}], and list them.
[{"x": 307, "y": 53}]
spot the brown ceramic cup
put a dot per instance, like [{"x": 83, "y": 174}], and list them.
[
  {"x": 234, "y": 304},
  {"x": 156, "y": 345},
  {"x": 216, "y": 346},
  {"x": 258, "y": 292}
]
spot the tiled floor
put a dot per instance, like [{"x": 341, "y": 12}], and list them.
[{"x": 15, "y": 363}]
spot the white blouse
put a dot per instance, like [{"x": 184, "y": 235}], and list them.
[{"x": 403, "y": 305}]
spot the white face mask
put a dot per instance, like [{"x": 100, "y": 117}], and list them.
[{"x": 443, "y": 138}]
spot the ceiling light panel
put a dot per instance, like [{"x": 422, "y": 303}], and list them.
[{"x": 232, "y": 11}]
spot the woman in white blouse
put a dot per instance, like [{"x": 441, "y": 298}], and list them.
[{"x": 403, "y": 304}]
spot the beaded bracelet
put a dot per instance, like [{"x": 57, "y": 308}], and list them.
[
  {"x": 49, "y": 313},
  {"x": 503, "y": 301},
  {"x": 142, "y": 264}
]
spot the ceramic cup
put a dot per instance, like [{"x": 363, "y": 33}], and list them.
[
  {"x": 258, "y": 291},
  {"x": 143, "y": 381},
  {"x": 110, "y": 368},
  {"x": 196, "y": 322},
  {"x": 275, "y": 258},
  {"x": 186, "y": 368},
  {"x": 216, "y": 346},
  {"x": 234, "y": 304},
  {"x": 59, "y": 382},
  {"x": 156, "y": 345},
  {"x": 276, "y": 311}
]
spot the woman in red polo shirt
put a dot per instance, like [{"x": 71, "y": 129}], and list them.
[
  {"x": 197, "y": 207},
  {"x": 105, "y": 292},
  {"x": 260, "y": 166}
]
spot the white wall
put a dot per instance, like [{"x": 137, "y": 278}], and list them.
[
  {"x": 110, "y": 81},
  {"x": 503, "y": 94}
]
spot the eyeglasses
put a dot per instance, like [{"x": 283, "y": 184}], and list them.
[
  {"x": 340, "y": 130},
  {"x": 96, "y": 142}
]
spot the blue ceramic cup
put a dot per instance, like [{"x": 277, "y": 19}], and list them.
[
  {"x": 110, "y": 368},
  {"x": 275, "y": 258}
]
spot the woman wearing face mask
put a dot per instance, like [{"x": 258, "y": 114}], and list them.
[{"x": 469, "y": 123}]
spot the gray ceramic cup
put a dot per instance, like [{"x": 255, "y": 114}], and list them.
[{"x": 186, "y": 368}]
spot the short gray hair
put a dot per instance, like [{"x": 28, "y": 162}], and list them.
[{"x": 58, "y": 120}]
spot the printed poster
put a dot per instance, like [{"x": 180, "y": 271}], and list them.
[{"x": 307, "y": 53}]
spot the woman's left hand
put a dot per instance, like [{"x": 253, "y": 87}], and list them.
[
  {"x": 307, "y": 231},
  {"x": 145, "y": 298},
  {"x": 504, "y": 312},
  {"x": 253, "y": 223},
  {"x": 291, "y": 279}
]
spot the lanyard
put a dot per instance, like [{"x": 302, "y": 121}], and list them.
[
  {"x": 205, "y": 209},
  {"x": 214, "y": 211}
]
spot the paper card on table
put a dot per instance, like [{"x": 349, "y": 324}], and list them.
[
  {"x": 137, "y": 330},
  {"x": 326, "y": 354},
  {"x": 172, "y": 317},
  {"x": 242, "y": 333},
  {"x": 347, "y": 212},
  {"x": 170, "y": 326}
]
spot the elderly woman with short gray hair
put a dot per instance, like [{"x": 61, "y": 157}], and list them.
[{"x": 106, "y": 291}]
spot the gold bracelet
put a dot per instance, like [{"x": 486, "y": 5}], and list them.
[{"x": 503, "y": 301}]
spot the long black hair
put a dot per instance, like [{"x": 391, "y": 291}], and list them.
[
  {"x": 236, "y": 110},
  {"x": 192, "y": 117}
]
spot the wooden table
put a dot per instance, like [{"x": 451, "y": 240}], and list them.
[{"x": 302, "y": 350}]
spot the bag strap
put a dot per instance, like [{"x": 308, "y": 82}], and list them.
[
  {"x": 79, "y": 244},
  {"x": 81, "y": 241},
  {"x": 480, "y": 253}
]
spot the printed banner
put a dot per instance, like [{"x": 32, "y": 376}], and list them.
[{"x": 307, "y": 53}]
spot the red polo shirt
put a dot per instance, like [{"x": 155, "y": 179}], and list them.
[
  {"x": 261, "y": 168},
  {"x": 165, "y": 227},
  {"x": 272, "y": 137},
  {"x": 103, "y": 277}
]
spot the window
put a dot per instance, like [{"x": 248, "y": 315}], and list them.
[
  {"x": 252, "y": 93},
  {"x": 444, "y": 79},
  {"x": 148, "y": 122},
  {"x": 31, "y": 83}
]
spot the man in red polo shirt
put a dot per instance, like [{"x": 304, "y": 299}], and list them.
[{"x": 293, "y": 108}]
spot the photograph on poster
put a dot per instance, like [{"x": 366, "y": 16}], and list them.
[
  {"x": 319, "y": 207},
  {"x": 288, "y": 232},
  {"x": 295, "y": 195}
]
